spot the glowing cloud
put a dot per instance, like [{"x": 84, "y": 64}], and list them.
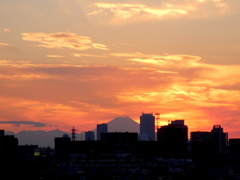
[
  {"x": 168, "y": 9},
  {"x": 126, "y": 11},
  {"x": 175, "y": 87},
  {"x": 167, "y": 60},
  {"x": 63, "y": 40},
  {"x": 86, "y": 55},
  {"x": 5, "y": 44},
  {"x": 54, "y": 56},
  {"x": 4, "y": 30}
]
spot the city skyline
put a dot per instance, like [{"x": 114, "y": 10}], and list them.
[
  {"x": 39, "y": 137},
  {"x": 82, "y": 63},
  {"x": 207, "y": 155}
]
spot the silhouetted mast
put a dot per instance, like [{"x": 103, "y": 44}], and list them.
[{"x": 73, "y": 134}]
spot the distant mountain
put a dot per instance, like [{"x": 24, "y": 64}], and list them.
[
  {"x": 119, "y": 124},
  {"x": 46, "y": 138},
  {"x": 40, "y": 138},
  {"x": 9, "y": 133},
  {"x": 123, "y": 124}
]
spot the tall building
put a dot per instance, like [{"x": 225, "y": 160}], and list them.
[
  {"x": 209, "y": 142},
  {"x": 101, "y": 128},
  {"x": 221, "y": 137},
  {"x": 89, "y": 136},
  {"x": 8, "y": 154},
  {"x": 8, "y": 145},
  {"x": 147, "y": 127},
  {"x": 62, "y": 148},
  {"x": 174, "y": 139}
]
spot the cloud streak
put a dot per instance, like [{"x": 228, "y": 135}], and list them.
[
  {"x": 5, "y": 44},
  {"x": 18, "y": 123},
  {"x": 168, "y": 9},
  {"x": 63, "y": 40},
  {"x": 163, "y": 60},
  {"x": 55, "y": 56},
  {"x": 87, "y": 55},
  {"x": 4, "y": 30}
]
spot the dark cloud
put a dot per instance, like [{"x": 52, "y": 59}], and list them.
[
  {"x": 18, "y": 123},
  {"x": 53, "y": 126}
]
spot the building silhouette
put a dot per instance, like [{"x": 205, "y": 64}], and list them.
[
  {"x": 147, "y": 127},
  {"x": 62, "y": 147},
  {"x": 174, "y": 139},
  {"x": 89, "y": 136},
  {"x": 234, "y": 145},
  {"x": 209, "y": 153},
  {"x": 8, "y": 146},
  {"x": 207, "y": 143},
  {"x": 101, "y": 128},
  {"x": 119, "y": 138},
  {"x": 8, "y": 154},
  {"x": 221, "y": 138}
]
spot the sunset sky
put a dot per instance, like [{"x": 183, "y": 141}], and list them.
[{"x": 66, "y": 63}]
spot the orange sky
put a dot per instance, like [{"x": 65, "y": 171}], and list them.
[{"x": 79, "y": 63}]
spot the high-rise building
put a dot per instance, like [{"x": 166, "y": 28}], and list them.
[
  {"x": 221, "y": 137},
  {"x": 209, "y": 142},
  {"x": 8, "y": 145},
  {"x": 8, "y": 154},
  {"x": 174, "y": 139},
  {"x": 62, "y": 148},
  {"x": 89, "y": 136},
  {"x": 147, "y": 127},
  {"x": 101, "y": 128}
]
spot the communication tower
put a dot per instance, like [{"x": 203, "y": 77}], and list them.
[{"x": 73, "y": 134}]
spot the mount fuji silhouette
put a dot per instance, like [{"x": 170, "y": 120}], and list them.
[
  {"x": 46, "y": 138},
  {"x": 123, "y": 124}
]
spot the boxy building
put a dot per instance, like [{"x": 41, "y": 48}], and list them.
[
  {"x": 174, "y": 139},
  {"x": 147, "y": 127}
]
